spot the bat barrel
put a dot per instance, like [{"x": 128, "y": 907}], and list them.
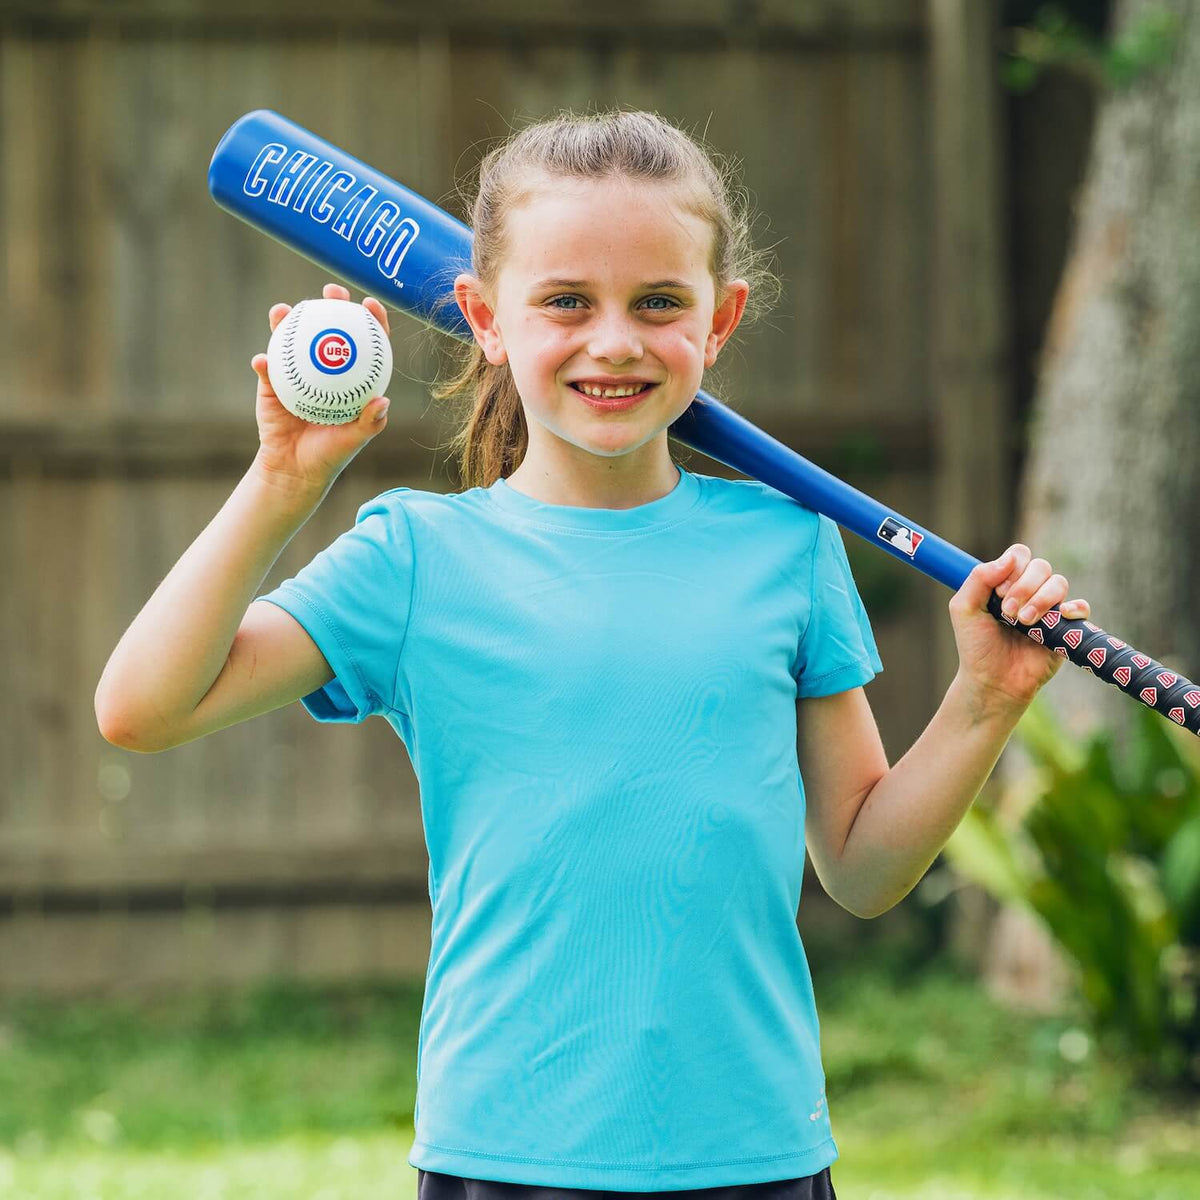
[{"x": 353, "y": 221}]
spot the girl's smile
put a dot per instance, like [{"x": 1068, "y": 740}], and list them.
[{"x": 612, "y": 398}]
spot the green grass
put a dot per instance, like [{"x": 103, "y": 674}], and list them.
[{"x": 297, "y": 1091}]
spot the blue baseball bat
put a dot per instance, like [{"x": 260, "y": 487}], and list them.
[{"x": 374, "y": 233}]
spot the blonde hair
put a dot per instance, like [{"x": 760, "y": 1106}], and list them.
[{"x": 492, "y": 436}]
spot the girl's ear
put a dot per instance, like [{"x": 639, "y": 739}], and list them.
[
  {"x": 481, "y": 318},
  {"x": 725, "y": 319}
]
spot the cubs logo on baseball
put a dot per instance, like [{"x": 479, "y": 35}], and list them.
[{"x": 333, "y": 352}]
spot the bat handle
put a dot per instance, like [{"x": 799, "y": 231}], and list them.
[{"x": 1116, "y": 662}]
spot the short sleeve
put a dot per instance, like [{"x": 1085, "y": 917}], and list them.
[
  {"x": 837, "y": 648},
  {"x": 354, "y": 600}
]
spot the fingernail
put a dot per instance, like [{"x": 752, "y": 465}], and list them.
[
  {"x": 383, "y": 411},
  {"x": 1026, "y": 614},
  {"x": 1009, "y": 607}
]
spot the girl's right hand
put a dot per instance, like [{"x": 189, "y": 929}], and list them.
[{"x": 295, "y": 454}]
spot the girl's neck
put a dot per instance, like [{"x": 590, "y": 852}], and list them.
[{"x": 610, "y": 483}]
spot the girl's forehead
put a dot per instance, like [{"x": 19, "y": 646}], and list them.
[{"x": 606, "y": 221}]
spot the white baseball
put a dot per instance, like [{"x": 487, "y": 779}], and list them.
[{"x": 327, "y": 359}]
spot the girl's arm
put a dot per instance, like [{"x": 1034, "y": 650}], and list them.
[
  {"x": 872, "y": 831},
  {"x": 194, "y": 640},
  {"x": 871, "y": 835}
]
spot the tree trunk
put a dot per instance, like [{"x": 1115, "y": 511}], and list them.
[{"x": 1110, "y": 493}]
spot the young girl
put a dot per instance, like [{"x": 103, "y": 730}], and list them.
[{"x": 632, "y": 695}]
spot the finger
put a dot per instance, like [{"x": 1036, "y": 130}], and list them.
[
  {"x": 376, "y": 309},
  {"x": 276, "y": 313},
  {"x": 1076, "y": 610},
  {"x": 1021, "y": 554},
  {"x": 259, "y": 363},
  {"x": 1035, "y": 574},
  {"x": 1052, "y": 592},
  {"x": 977, "y": 588},
  {"x": 335, "y": 291},
  {"x": 374, "y": 414}
]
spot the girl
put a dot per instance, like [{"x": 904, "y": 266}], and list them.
[{"x": 608, "y": 672}]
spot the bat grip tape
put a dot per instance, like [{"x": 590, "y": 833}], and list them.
[{"x": 1109, "y": 658}]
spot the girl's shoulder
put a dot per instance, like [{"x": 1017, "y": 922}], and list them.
[
  {"x": 425, "y": 505},
  {"x": 752, "y": 496}
]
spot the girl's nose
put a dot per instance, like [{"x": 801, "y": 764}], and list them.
[{"x": 615, "y": 340}]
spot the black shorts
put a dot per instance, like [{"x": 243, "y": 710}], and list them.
[{"x": 431, "y": 1185}]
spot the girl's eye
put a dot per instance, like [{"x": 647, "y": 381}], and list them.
[{"x": 575, "y": 303}]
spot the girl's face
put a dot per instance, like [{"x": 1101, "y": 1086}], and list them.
[{"x": 604, "y": 283}]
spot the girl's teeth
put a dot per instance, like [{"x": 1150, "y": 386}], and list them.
[{"x": 610, "y": 393}]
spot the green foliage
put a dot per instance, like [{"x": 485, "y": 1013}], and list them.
[
  {"x": 1107, "y": 855},
  {"x": 1056, "y": 38},
  {"x": 219, "y": 1067},
  {"x": 304, "y": 1091}
]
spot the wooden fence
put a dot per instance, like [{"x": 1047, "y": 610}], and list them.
[{"x": 133, "y": 305}]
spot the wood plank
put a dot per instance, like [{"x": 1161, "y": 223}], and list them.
[
  {"x": 23, "y": 294},
  {"x": 176, "y": 448},
  {"x": 971, "y": 380},
  {"x": 770, "y": 20},
  {"x": 42, "y": 866},
  {"x": 93, "y": 318},
  {"x": 107, "y": 952}
]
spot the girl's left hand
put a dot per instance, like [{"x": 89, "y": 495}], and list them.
[{"x": 1002, "y": 664}]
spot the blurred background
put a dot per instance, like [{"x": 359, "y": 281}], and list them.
[{"x": 983, "y": 212}]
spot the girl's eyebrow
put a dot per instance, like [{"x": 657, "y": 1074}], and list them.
[{"x": 582, "y": 283}]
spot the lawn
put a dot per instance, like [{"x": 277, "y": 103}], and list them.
[{"x": 306, "y": 1092}]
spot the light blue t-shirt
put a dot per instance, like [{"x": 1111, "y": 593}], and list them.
[{"x": 600, "y": 708}]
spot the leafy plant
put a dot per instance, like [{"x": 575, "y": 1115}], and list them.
[
  {"x": 1102, "y": 844},
  {"x": 1056, "y": 38}
]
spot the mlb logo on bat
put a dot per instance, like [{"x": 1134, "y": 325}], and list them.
[
  {"x": 1150, "y": 696},
  {"x": 1191, "y": 699},
  {"x": 1073, "y": 637},
  {"x": 897, "y": 534},
  {"x": 1096, "y": 657},
  {"x": 1123, "y": 675},
  {"x": 333, "y": 352},
  {"x": 1167, "y": 679}
]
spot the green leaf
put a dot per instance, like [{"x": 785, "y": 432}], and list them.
[
  {"x": 979, "y": 849},
  {"x": 1181, "y": 877},
  {"x": 1047, "y": 742}
]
